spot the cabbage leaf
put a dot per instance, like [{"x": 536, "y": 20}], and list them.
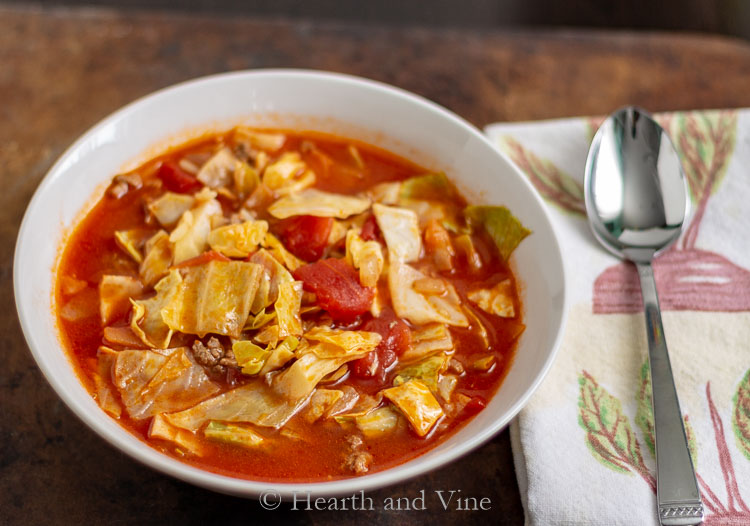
[
  {"x": 190, "y": 236},
  {"x": 287, "y": 308},
  {"x": 238, "y": 241},
  {"x": 366, "y": 256},
  {"x": 418, "y": 308},
  {"x": 218, "y": 171},
  {"x": 321, "y": 401},
  {"x": 428, "y": 340},
  {"x": 498, "y": 300},
  {"x": 249, "y": 356},
  {"x": 152, "y": 382},
  {"x": 502, "y": 226},
  {"x": 214, "y": 297},
  {"x": 146, "y": 320},
  {"x": 232, "y": 434},
  {"x": 162, "y": 429},
  {"x": 261, "y": 140},
  {"x": 417, "y": 403},
  {"x": 114, "y": 296},
  {"x": 400, "y": 228},
  {"x": 280, "y": 355},
  {"x": 378, "y": 422},
  {"x": 428, "y": 371},
  {"x": 158, "y": 258},
  {"x": 169, "y": 207},
  {"x": 105, "y": 395},
  {"x": 431, "y": 187},
  {"x": 318, "y": 203},
  {"x": 254, "y": 403},
  {"x": 339, "y": 343}
]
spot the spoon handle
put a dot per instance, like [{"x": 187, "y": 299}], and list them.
[{"x": 676, "y": 487}]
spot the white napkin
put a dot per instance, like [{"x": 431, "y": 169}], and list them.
[{"x": 583, "y": 446}]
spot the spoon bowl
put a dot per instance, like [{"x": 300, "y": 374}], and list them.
[
  {"x": 637, "y": 202},
  {"x": 635, "y": 191}
]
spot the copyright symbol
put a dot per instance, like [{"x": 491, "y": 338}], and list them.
[{"x": 270, "y": 499}]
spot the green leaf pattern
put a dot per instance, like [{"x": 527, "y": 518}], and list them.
[
  {"x": 741, "y": 415},
  {"x": 608, "y": 433}
]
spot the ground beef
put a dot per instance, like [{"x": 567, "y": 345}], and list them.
[
  {"x": 213, "y": 357},
  {"x": 357, "y": 459}
]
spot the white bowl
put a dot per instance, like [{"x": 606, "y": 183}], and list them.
[{"x": 391, "y": 118}]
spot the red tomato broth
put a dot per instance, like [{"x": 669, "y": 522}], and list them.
[{"x": 91, "y": 252}]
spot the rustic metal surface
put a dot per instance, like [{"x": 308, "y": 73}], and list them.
[{"x": 62, "y": 71}]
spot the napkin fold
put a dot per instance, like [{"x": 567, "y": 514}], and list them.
[{"x": 583, "y": 446}]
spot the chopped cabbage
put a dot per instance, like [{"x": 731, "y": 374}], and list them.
[
  {"x": 114, "y": 296},
  {"x": 336, "y": 375},
  {"x": 254, "y": 403},
  {"x": 428, "y": 340},
  {"x": 299, "y": 380},
  {"x": 169, "y": 207},
  {"x": 232, "y": 434},
  {"x": 485, "y": 363},
  {"x": 238, "y": 241},
  {"x": 190, "y": 236},
  {"x": 418, "y": 308},
  {"x": 130, "y": 241},
  {"x": 249, "y": 356},
  {"x": 385, "y": 193},
  {"x": 465, "y": 244},
  {"x": 274, "y": 273},
  {"x": 364, "y": 405},
  {"x": 498, "y": 300},
  {"x": 285, "y": 171},
  {"x": 340, "y": 343},
  {"x": 280, "y": 355},
  {"x": 400, "y": 228},
  {"x": 318, "y": 203},
  {"x": 321, "y": 401},
  {"x": 269, "y": 336},
  {"x": 346, "y": 402},
  {"x": 366, "y": 256},
  {"x": 281, "y": 254},
  {"x": 432, "y": 187},
  {"x": 150, "y": 382},
  {"x": 246, "y": 179},
  {"x": 260, "y": 320},
  {"x": 105, "y": 395},
  {"x": 378, "y": 422},
  {"x": 260, "y": 140},
  {"x": 446, "y": 385},
  {"x": 502, "y": 226},
  {"x": 287, "y": 308},
  {"x": 146, "y": 320},
  {"x": 417, "y": 403},
  {"x": 158, "y": 258},
  {"x": 160, "y": 428},
  {"x": 218, "y": 171},
  {"x": 428, "y": 371},
  {"x": 214, "y": 297}
]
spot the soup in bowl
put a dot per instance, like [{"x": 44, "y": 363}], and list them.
[{"x": 285, "y": 278}]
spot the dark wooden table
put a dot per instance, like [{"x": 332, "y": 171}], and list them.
[{"x": 61, "y": 71}]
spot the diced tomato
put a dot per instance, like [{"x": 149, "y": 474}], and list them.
[
  {"x": 370, "y": 229},
  {"x": 475, "y": 405},
  {"x": 396, "y": 339},
  {"x": 176, "y": 179},
  {"x": 306, "y": 236},
  {"x": 365, "y": 367},
  {"x": 206, "y": 257},
  {"x": 337, "y": 287}
]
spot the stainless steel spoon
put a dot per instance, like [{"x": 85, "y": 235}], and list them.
[{"x": 637, "y": 202}]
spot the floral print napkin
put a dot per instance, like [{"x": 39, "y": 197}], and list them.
[{"x": 584, "y": 445}]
